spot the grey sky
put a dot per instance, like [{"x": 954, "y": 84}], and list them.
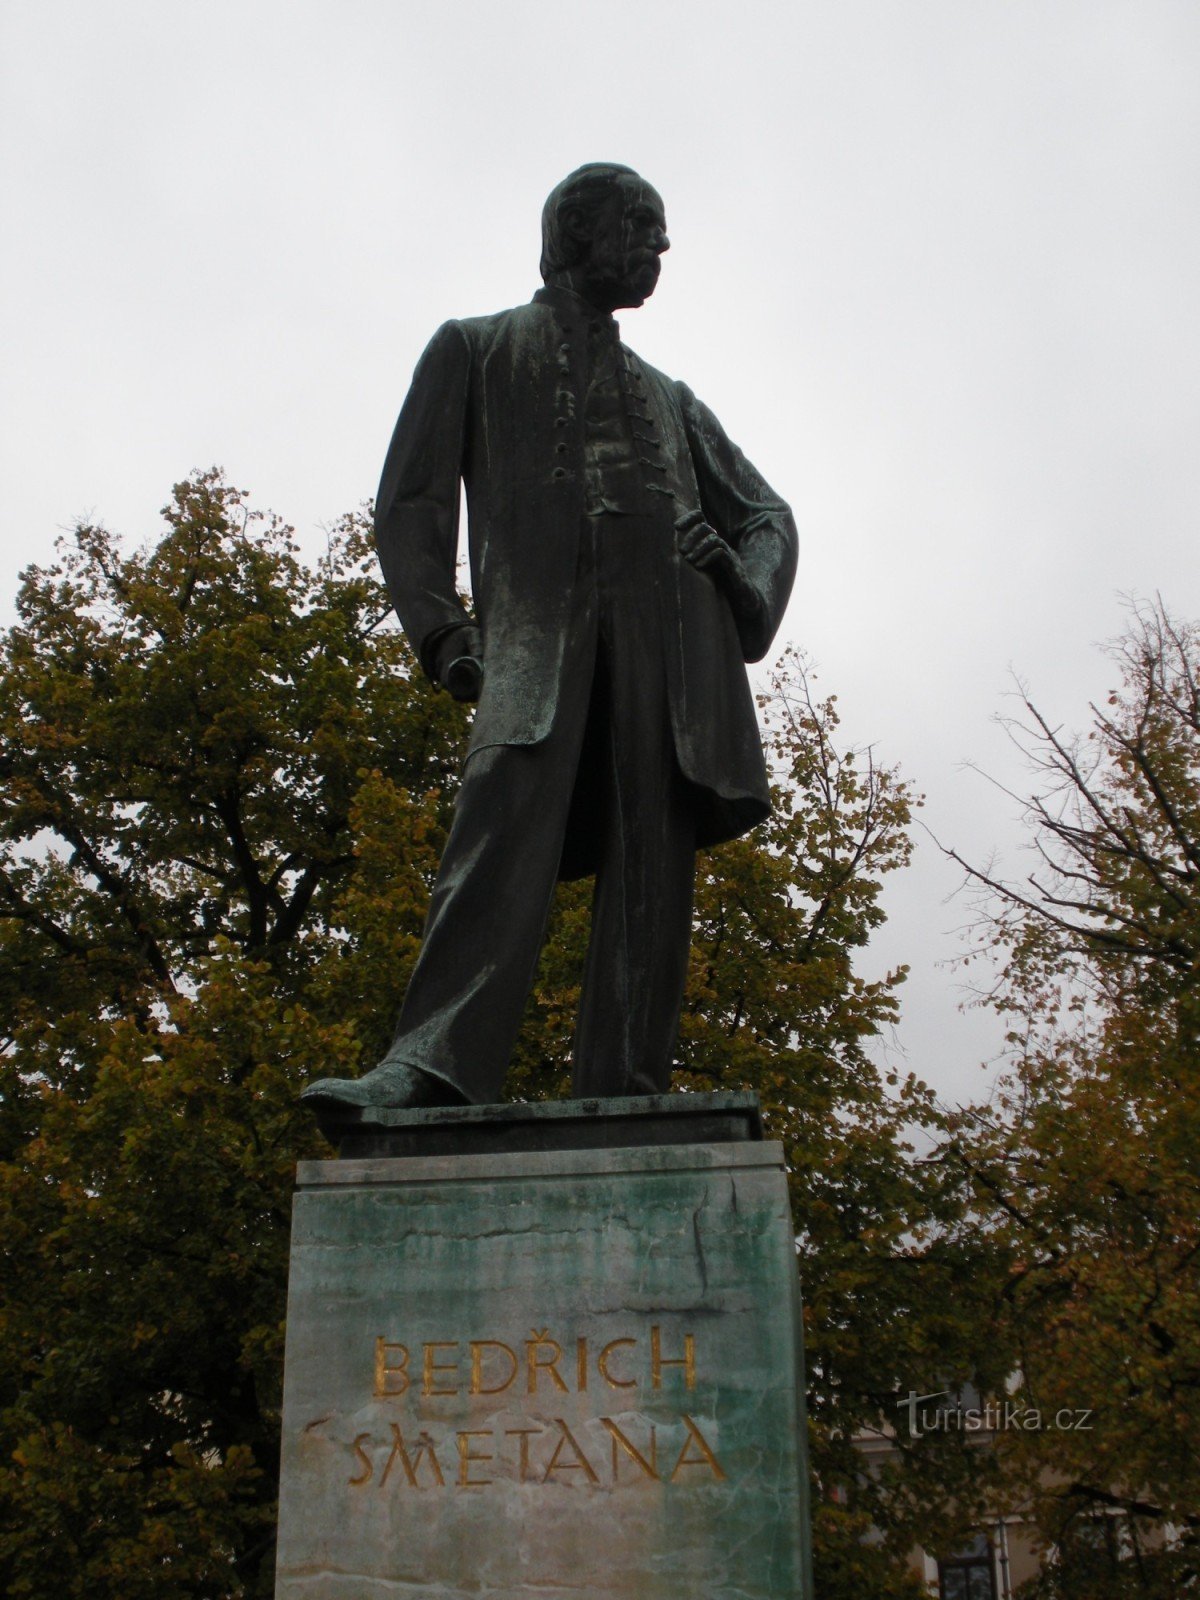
[{"x": 934, "y": 264}]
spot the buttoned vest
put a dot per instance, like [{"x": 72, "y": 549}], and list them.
[{"x": 626, "y": 470}]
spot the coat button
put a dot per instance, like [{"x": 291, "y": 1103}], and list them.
[{"x": 559, "y": 472}]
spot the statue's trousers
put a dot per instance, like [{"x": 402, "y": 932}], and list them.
[{"x": 608, "y": 761}]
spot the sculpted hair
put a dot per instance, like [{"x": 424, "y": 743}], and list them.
[{"x": 586, "y": 188}]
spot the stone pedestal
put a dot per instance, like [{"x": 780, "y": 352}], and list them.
[{"x": 546, "y": 1359}]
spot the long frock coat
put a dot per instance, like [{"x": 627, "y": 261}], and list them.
[{"x": 497, "y": 403}]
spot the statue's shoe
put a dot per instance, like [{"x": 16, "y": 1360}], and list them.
[{"x": 392, "y": 1086}]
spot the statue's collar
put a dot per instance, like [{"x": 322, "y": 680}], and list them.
[{"x": 572, "y": 307}]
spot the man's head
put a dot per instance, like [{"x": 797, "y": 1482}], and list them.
[{"x": 603, "y": 230}]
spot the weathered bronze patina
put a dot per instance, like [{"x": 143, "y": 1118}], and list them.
[{"x": 626, "y": 560}]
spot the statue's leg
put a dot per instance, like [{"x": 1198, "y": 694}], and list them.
[
  {"x": 642, "y": 910},
  {"x": 486, "y": 921},
  {"x": 487, "y": 917},
  {"x": 483, "y": 933}
]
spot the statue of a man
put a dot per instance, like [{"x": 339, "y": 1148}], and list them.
[{"x": 626, "y": 560}]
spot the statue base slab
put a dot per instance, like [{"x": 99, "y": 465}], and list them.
[{"x": 526, "y": 1363}]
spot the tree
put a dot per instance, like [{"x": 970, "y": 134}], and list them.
[
  {"x": 225, "y": 792},
  {"x": 1087, "y": 1167},
  {"x": 197, "y": 743}
]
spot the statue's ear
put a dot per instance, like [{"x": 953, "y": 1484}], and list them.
[{"x": 576, "y": 228}]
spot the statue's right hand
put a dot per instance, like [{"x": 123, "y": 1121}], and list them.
[
  {"x": 464, "y": 678},
  {"x": 460, "y": 663}
]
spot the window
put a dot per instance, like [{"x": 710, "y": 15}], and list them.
[{"x": 968, "y": 1575}]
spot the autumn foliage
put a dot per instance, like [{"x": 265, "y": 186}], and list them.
[
  {"x": 1085, "y": 1168},
  {"x": 225, "y": 792}
]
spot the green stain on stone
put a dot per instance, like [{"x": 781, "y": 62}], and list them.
[{"x": 552, "y": 1373}]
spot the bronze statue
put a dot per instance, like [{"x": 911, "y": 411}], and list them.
[{"x": 626, "y": 559}]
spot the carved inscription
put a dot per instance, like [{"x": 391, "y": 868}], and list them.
[
  {"x": 550, "y": 1449},
  {"x": 448, "y": 1367}
]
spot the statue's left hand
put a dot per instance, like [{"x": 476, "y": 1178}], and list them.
[{"x": 700, "y": 543}]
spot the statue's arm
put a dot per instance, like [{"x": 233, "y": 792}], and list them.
[
  {"x": 416, "y": 509},
  {"x": 746, "y": 537}
]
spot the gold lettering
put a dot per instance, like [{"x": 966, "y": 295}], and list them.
[
  {"x": 581, "y": 1358},
  {"x": 582, "y": 1464},
  {"x": 704, "y": 1459},
  {"x": 367, "y": 1468},
  {"x": 602, "y": 1365},
  {"x": 524, "y": 1434},
  {"x": 411, "y": 1464},
  {"x": 466, "y": 1458},
  {"x": 384, "y": 1369},
  {"x": 478, "y": 1346},
  {"x": 658, "y": 1361},
  {"x": 619, "y": 1441},
  {"x": 537, "y": 1347},
  {"x": 432, "y": 1367}
]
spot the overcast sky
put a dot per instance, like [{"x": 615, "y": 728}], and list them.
[{"x": 934, "y": 264}]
